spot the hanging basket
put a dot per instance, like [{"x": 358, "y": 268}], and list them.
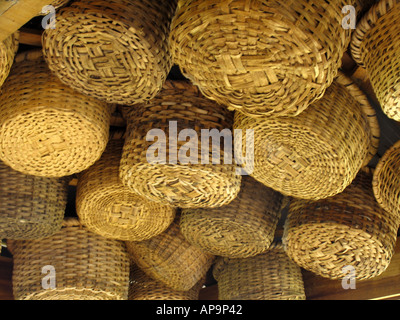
[
  {"x": 46, "y": 128},
  {"x": 263, "y": 58},
  {"x": 116, "y": 51},
  {"x": 268, "y": 276},
  {"x": 168, "y": 175},
  {"x": 109, "y": 209},
  {"x": 8, "y": 50},
  {"x": 375, "y": 46},
  {"x": 86, "y": 266},
  {"x": 170, "y": 259},
  {"x": 349, "y": 230},
  {"x": 318, "y": 153},
  {"x": 241, "y": 229}
]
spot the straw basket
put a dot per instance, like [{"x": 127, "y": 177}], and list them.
[
  {"x": 85, "y": 266},
  {"x": 8, "y": 49},
  {"x": 241, "y": 229},
  {"x": 268, "y": 276},
  {"x": 116, "y": 51},
  {"x": 108, "y": 208},
  {"x": 155, "y": 161},
  {"x": 349, "y": 229},
  {"x": 375, "y": 46},
  {"x": 170, "y": 259},
  {"x": 263, "y": 58},
  {"x": 31, "y": 207},
  {"x": 57, "y": 4},
  {"x": 46, "y": 128},
  {"x": 318, "y": 153},
  {"x": 142, "y": 287}
]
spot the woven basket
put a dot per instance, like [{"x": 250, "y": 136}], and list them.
[
  {"x": 179, "y": 182},
  {"x": 170, "y": 259},
  {"x": 268, "y": 276},
  {"x": 115, "y": 50},
  {"x": 318, "y": 153},
  {"x": 46, "y": 128},
  {"x": 241, "y": 229},
  {"x": 349, "y": 229},
  {"x": 8, "y": 50},
  {"x": 86, "y": 266},
  {"x": 375, "y": 46},
  {"x": 264, "y": 58},
  {"x": 57, "y": 4},
  {"x": 142, "y": 287},
  {"x": 107, "y": 208},
  {"x": 31, "y": 207}
]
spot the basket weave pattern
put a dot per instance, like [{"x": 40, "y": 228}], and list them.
[{"x": 8, "y": 49}]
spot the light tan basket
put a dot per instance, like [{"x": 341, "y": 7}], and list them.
[
  {"x": 57, "y": 4},
  {"x": 8, "y": 50}
]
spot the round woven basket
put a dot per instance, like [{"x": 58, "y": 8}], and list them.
[
  {"x": 375, "y": 46},
  {"x": 108, "y": 208},
  {"x": 170, "y": 259},
  {"x": 8, "y": 50},
  {"x": 178, "y": 179},
  {"x": 318, "y": 153},
  {"x": 115, "y": 50},
  {"x": 264, "y": 58},
  {"x": 31, "y": 207},
  {"x": 57, "y": 4},
  {"x": 86, "y": 266},
  {"x": 46, "y": 128},
  {"x": 268, "y": 276},
  {"x": 142, "y": 287},
  {"x": 349, "y": 229},
  {"x": 241, "y": 229}
]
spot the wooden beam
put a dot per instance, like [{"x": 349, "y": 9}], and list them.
[
  {"x": 6, "y": 266},
  {"x": 30, "y": 37}
]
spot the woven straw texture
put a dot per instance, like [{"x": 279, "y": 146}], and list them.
[
  {"x": 8, "y": 49},
  {"x": 57, "y": 4},
  {"x": 180, "y": 180},
  {"x": 46, "y": 128},
  {"x": 241, "y": 229},
  {"x": 375, "y": 46},
  {"x": 116, "y": 50},
  {"x": 268, "y": 276},
  {"x": 108, "y": 208},
  {"x": 87, "y": 266},
  {"x": 349, "y": 229},
  {"x": 264, "y": 58},
  {"x": 142, "y": 287},
  {"x": 31, "y": 207},
  {"x": 170, "y": 259},
  {"x": 318, "y": 153}
]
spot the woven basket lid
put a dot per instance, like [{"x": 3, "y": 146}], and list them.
[{"x": 8, "y": 50}]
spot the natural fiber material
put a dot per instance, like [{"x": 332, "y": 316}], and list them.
[
  {"x": 57, "y": 4},
  {"x": 241, "y": 229},
  {"x": 142, "y": 287},
  {"x": 268, "y": 276},
  {"x": 8, "y": 49},
  {"x": 108, "y": 208},
  {"x": 46, "y": 128},
  {"x": 86, "y": 266},
  {"x": 182, "y": 183},
  {"x": 375, "y": 46},
  {"x": 170, "y": 259},
  {"x": 263, "y": 58},
  {"x": 116, "y": 51},
  {"x": 349, "y": 229},
  {"x": 31, "y": 207},
  {"x": 318, "y": 153}
]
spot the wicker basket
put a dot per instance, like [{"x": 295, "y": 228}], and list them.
[
  {"x": 349, "y": 229},
  {"x": 31, "y": 207},
  {"x": 241, "y": 229},
  {"x": 170, "y": 259},
  {"x": 318, "y": 153},
  {"x": 264, "y": 58},
  {"x": 142, "y": 287},
  {"x": 115, "y": 50},
  {"x": 57, "y": 4},
  {"x": 8, "y": 49},
  {"x": 107, "y": 208},
  {"x": 268, "y": 276},
  {"x": 176, "y": 181},
  {"x": 46, "y": 128},
  {"x": 86, "y": 266},
  {"x": 375, "y": 46}
]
